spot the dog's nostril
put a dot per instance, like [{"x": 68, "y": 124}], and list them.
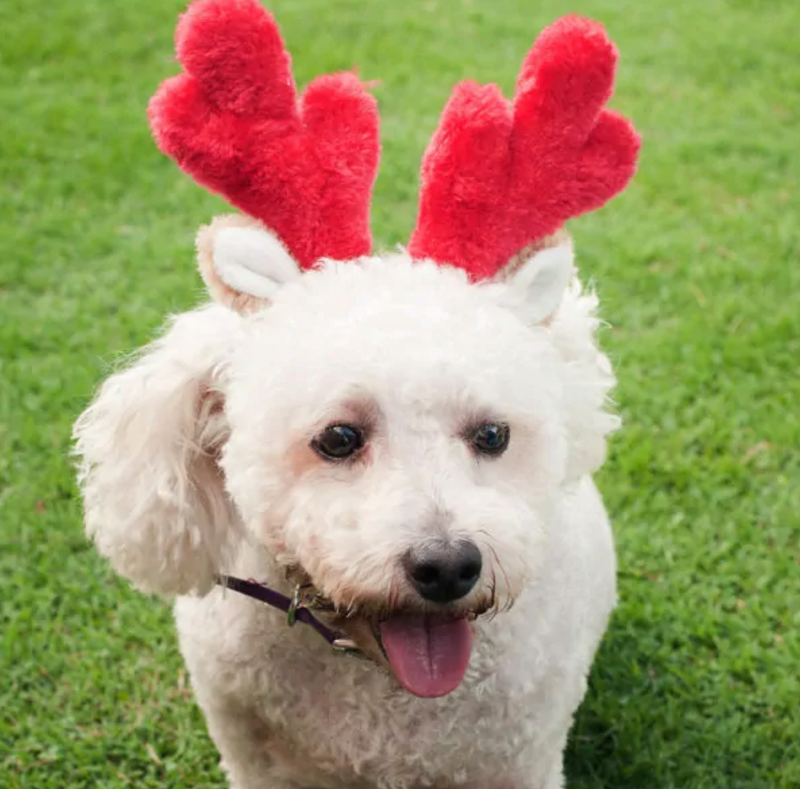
[
  {"x": 425, "y": 573},
  {"x": 470, "y": 571},
  {"x": 443, "y": 571}
]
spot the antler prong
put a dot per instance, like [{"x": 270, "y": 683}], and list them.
[
  {"x": 234, "y": 123},
  {"x": 500, "y": 175}
]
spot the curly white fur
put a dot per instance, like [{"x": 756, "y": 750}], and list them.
[{"x": 195, "y": 460}]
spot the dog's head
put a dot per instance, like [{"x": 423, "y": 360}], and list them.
[
  {"x": 387, "y": 430},
  {"x": 397, "y": 432}
]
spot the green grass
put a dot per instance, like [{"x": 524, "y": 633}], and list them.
[{"x": 698, "y": 265}]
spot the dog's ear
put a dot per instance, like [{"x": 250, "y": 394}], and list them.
[
  {"x": 154, "y": 496},
  {"x": 242, "y": 262},
  {"x": 541, "y": 290},
  {"x": 534, "y": 286}
]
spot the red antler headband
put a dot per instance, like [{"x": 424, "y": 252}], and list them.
[
  {"x": 498, "y": 175},
  {"x": 233, "y": 122}
]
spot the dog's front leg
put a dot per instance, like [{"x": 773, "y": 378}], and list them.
[
  {"x": 243, "y": 744},
  {"x": 556, "y": 778},
  {"x": 536, "y": 774}
]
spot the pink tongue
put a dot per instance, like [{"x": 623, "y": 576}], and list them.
[{"x": 428, "y": 654}]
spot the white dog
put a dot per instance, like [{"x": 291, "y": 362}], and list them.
[
  {"x": 419, "y": 449},
  {"x": 394, "y": 452}
]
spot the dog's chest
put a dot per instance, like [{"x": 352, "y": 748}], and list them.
[
  {"x": 347, "y": 722},
  {"x": 352, "y": 721}
]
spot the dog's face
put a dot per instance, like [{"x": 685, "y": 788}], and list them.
[
  {"x": 399, "y": 438},
  {"x": 378, "y": 408}
]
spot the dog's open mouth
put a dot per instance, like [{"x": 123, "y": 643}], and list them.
[{"x": 428, "y": 653}]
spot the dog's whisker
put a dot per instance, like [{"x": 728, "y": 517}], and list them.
[
  {"x": 393, "y": 593},
  {"x": 496, "y": 562},
  {"x": 509, "y": 596},
  {"x": 494, "y": 592}
]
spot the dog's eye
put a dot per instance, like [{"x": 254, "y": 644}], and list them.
[
  {"x": 490, "y": 438},
  {"x": 338, "y": 442}
]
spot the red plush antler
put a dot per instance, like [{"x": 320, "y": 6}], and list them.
[
  {"x": 498, "y": 175},
  {"x": 233, "y": 122}
]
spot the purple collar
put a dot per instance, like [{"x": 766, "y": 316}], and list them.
[{"x": 297, "y": 610}]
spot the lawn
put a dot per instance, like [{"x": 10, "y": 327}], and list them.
[{"x": 698, "y": 267}]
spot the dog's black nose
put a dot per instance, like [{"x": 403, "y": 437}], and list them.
[{"x": 443, "y": 571}]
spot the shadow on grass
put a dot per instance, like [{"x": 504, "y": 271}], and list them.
[
  {"x": 605, "y": 743},
  {"x": 664, "y": 710}
]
